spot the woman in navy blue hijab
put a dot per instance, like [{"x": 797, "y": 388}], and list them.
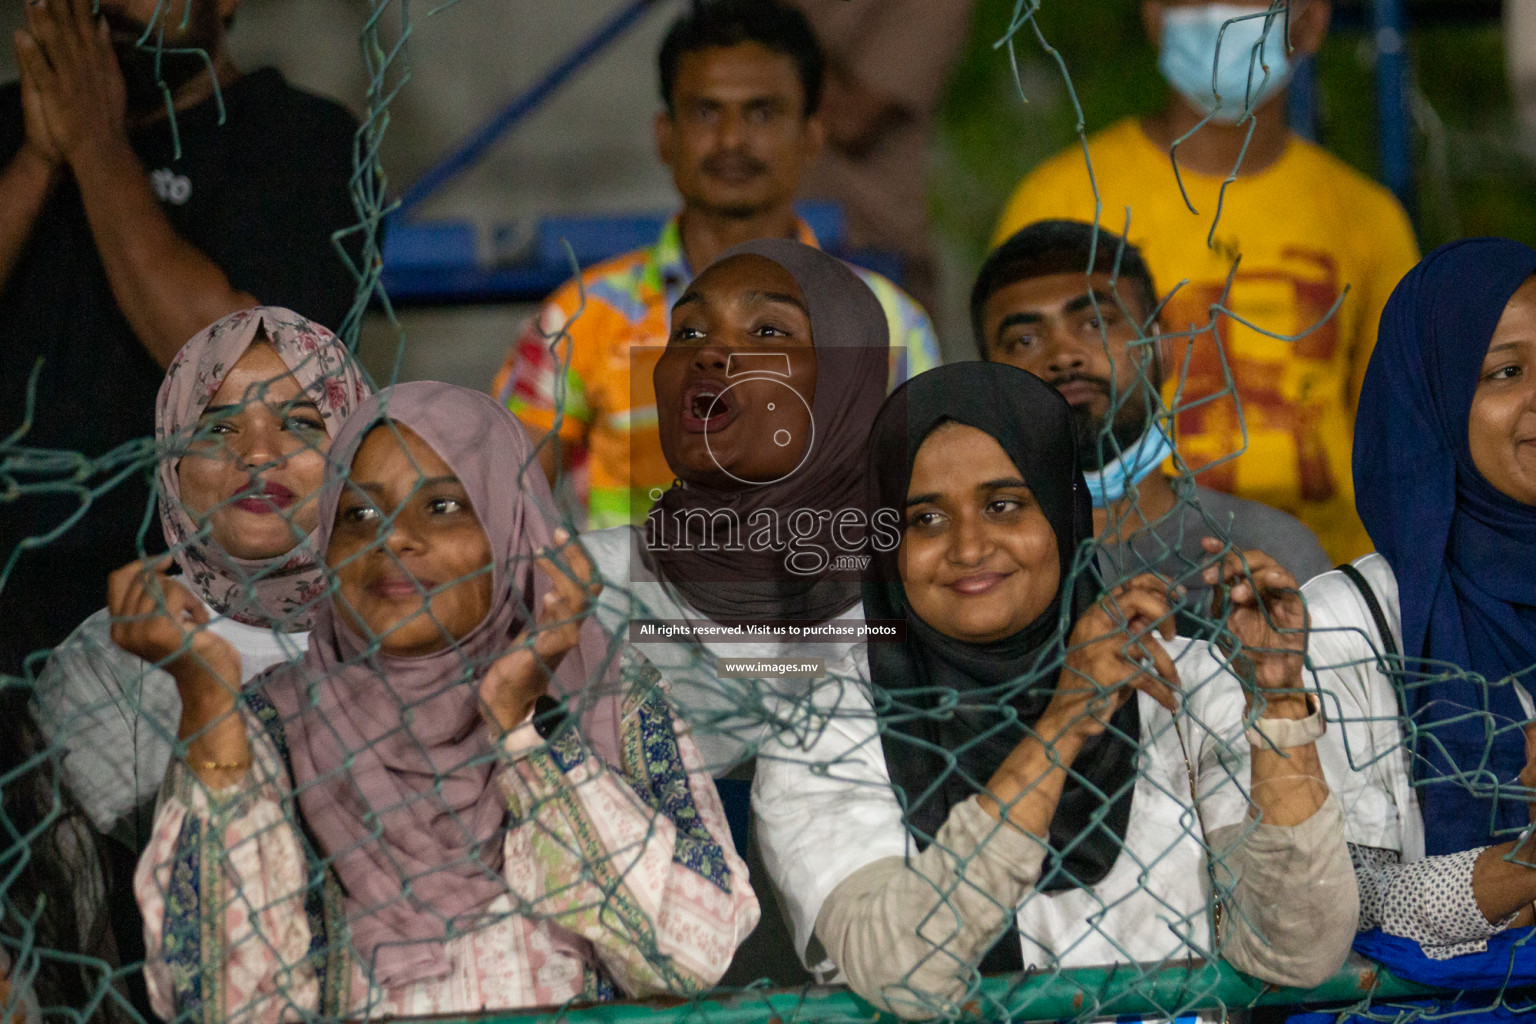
[
  {"x": 1456, "y": 524},
  {"x": 1445, "y": 482}
]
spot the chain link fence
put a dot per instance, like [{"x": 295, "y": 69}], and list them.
[{"x": 365, "y": 845}]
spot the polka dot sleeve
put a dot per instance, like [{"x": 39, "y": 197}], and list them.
[{"x": 1429, "y": 901}]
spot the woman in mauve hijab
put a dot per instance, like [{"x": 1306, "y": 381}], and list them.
[{"x": 404, "y": 823}]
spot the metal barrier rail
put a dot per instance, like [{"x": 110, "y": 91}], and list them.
[{"x": 1124, "y": 990}]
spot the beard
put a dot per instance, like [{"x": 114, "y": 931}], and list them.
[
  {"x": 1101, "y": 441},
  {"x": 147, "y": 67}
]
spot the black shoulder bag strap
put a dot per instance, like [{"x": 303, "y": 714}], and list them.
[{"x": 1388, "y": 640}]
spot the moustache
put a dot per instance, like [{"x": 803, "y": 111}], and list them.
[
  {"x": 1101, "y": 383},
  {"x": 733, "y": 165}
]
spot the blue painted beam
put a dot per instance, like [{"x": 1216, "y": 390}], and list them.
[
  {"x": 1392, "y": 112},
  {"x": 427, "y": 284},
  {"x": 483, "y": 138},
  {"x": 1302, "y": 99}
]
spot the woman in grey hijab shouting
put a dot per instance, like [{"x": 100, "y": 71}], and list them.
[{"x": 774, "y": 370}]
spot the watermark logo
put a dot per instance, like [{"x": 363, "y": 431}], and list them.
[
  {"x": 739, "y": 418},
  {"x": 813, "y": 541},
  {"x": 771, "y": 368},
  {"x": 780, "y": 631}
]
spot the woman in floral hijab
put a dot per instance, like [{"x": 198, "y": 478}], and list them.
[{"x": 244, "y": 418}]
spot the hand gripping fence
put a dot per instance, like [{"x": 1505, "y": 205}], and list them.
[{"x": 617, "y": 896}]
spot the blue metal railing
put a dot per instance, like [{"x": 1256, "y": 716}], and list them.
[
  {"x": 520, "y": 106},
  {"x": 1389, "y": 24},
  {"x": 437, "y": 264}
]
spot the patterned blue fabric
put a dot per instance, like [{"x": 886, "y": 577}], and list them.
[
  {"x": 606, "y": 989},
  {"x": 567, "y": 750},
  {"x": 320, "y": 947},
  {"x": 270, "y": 720},
  {"x": 183, "y": 921},
  {"x": 665, "y": 788}
]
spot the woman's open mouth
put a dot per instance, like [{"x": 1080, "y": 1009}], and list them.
[
  {"x": 707, "y": 408},
  {"x": 264, "y": 498}
]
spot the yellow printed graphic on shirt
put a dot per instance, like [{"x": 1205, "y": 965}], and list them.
[{"x": 1302, "y": 231}]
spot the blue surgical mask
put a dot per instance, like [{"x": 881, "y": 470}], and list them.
[
  {"x": 1137, "y": 462},
  {"x": 1188, "y": 54}
]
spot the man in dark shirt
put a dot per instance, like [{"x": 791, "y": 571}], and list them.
[
  {"x": 116, "y": 246},
  {"x": 1093, "y": 336}
]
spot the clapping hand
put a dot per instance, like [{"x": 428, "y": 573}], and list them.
[
  {"x": 71, "y": 82},
  {"x": 157, "y": 618},
  {"x": 36, "y": 138},
  {"x": 520, "y": 677}
]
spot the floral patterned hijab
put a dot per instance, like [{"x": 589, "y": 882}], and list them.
[{"x": 277, "y": 592}]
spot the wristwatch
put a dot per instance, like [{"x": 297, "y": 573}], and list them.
[{"x": 1284, "y": 733}]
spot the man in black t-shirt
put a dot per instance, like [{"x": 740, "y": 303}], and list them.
[{"x": 115, "y": 249}]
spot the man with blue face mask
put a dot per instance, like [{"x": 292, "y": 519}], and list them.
[
  {"x": 1298, "y": 233},
  {"x": 1088, "y": 336}
]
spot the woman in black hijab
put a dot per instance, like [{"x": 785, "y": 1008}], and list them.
[
  {"x": 1044, "y": 740},
  {"x": 918, "y": 677}
]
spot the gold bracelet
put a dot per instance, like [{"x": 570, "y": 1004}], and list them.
[{"x": 222, "y": 766}]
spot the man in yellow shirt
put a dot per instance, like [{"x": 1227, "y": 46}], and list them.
[
  {"x": 741, "y": 80},
  {"x": 1298, "y": 233}
]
